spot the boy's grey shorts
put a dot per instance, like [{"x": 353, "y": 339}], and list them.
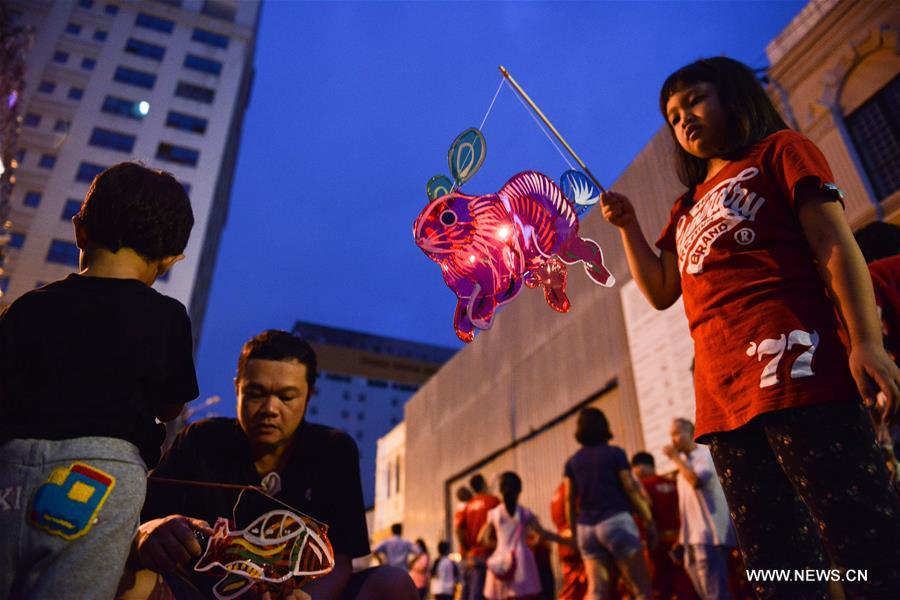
[{"x": 68, "y": 512}]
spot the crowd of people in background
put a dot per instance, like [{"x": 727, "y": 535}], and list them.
[{"x": 637, "y": 535}]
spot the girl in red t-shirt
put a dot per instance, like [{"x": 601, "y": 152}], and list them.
[{"x": 759, "y": 246}]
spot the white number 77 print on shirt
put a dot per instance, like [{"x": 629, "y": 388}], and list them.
[{"x": 802, "y": 365}]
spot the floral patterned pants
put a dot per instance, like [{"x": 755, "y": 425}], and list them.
[{"x": 808, "y": 490}]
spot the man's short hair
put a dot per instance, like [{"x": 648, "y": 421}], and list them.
[
  {"x": 477, "y": 483},
  {"x": 643, "y": 458},
  {"x": 684, "y": 424},
  {"x": 132, "y": 206},
  {"x": 397, "y": 528},
  {"x": 274, "y": 344}
]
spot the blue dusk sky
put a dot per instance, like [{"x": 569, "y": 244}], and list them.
[{"x": 354, "y": 106}]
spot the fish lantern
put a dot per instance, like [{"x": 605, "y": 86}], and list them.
[
  {"x": 279, "y": 546},
  {"x": 489, "y": 246}
]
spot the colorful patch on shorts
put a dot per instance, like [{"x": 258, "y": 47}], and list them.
[{"x": 68, "y": 503}]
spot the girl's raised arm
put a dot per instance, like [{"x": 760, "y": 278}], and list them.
[{"x": 656, "y": 275}]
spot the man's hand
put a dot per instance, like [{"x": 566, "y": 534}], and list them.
[
  {"x": 670, "y": 451},
  {"x": 163, "y": 544}
]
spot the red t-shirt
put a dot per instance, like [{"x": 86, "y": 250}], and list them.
[
  {"x": 561, "y": 520},
  {"x": 766, "y": 334},
  {"x": 664, "y": 500},
  {"x": 474, "y": 518},
  {"x": 886, "y": 281}
]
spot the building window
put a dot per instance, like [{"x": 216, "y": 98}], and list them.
[
  {"x": 75, "y": 93},
  {"x": 394, "y": 420},
  {"x": 47, "y": 161},
  {"x": 88, "y": 63},
  {"x": 177, "y": 120},
  {"x": 134, "y": 77},
  {"x": 100, "y": 35},
  {"x": 219, "y": 9},
  {"x": 87, "y": 172},
  {"x": 16, "y": 240},
  {"x": 122, "y": 107},
  {"x": 376, "y": 383},
  {"x": 32, "y": 119},
  {"x": 4, "y": 284},
  {"x": 145, "y": 49},
  {"x": 111, "y": 9},
  {"x": 61, "y": 125},
  {"x": 345, "y": 414},
  {"x": 112, "y": 140},
  {"x": 73, "y": 28},
  {"x": 71, "y": 209},
  {"x": 209, "y": 38},
  {"x": 875, "y": 130},
  {"x": 155, "y": 23},
  {"x": 359, "y": 434},
  {"x": 46, "y": 87},
  {"x": 61, "y": 57},
  {"x": 63, "y": 253},
  {"x": 88, "y": 4},
  {"x": 341, "y": 378},
  {"x": 195, "y": 92},
  {"x": 313, "y": 410},
  {"x": 204, "y": 65},
  {"x": 20, "y": 156},
  {"x": 360, "y": 416},
  {"x": 32, "y": 198},
  {"x": 395, "y": 402},
  {"x": 177, "y": 154}
]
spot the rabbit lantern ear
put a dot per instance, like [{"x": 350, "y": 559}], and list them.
[
  {"x": 466, "y": 155},
  {"x": 437, "y": 186}
]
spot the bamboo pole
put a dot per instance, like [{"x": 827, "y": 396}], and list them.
[{"x": 547, "y": 122}]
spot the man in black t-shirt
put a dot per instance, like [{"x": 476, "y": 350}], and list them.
[
  {"x": 317, "y": 470},
  {"x": 87, "y": 365}
]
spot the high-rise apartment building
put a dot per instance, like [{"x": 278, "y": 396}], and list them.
[
  {"x": 364, "y": 383},
  {"x": 165, "y": 82}
]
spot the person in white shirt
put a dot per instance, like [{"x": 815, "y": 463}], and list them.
[
  {"x": 444, "y": 574},
  {"x": 396, "y": 551},
  {"x": 707, "y": 533}
]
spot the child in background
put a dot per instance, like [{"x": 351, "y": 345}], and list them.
[
  {"x": 444, "y": 574},
  {"x": 418, "y": 569},
  {"x": 762, "y": 252},
  {"x": 87, "y": 365}
]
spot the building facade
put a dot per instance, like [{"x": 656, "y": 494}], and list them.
[
  {"x": 164, "y": 82},
  {"x": 509, "y": 400},
  {"x": 364, "y": 383},
  {"x": 390, "y": 474}
]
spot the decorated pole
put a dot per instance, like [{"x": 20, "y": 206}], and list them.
[{"x": 547, "y": 122}]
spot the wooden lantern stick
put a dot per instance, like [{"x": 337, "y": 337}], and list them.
[{"x": 547, "y": 122}]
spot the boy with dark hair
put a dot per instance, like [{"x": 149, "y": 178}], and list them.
[{"x": 87, "y": 365}]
